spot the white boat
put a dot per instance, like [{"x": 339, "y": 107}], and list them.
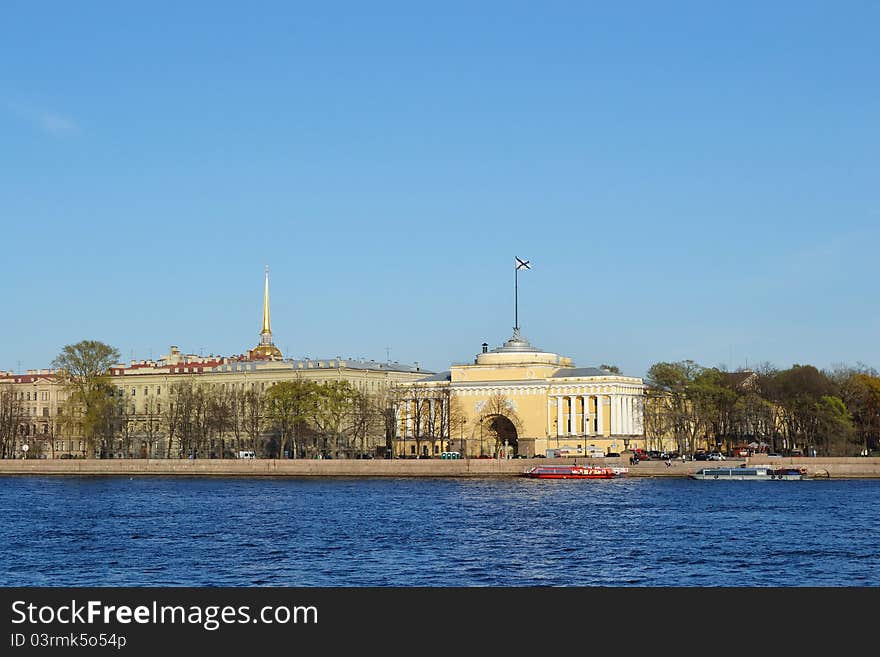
[{"x": 756, "y": 473}]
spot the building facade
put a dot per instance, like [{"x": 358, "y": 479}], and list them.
[{"x": 518, "y": 400}]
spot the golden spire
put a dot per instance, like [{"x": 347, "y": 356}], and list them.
[
  {"x": 266, "y": 349},
  {"x": 266, "y": 327}
]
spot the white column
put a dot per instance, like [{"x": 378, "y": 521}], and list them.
[
  {"x": 559, "y": 425},
  {"x": 600, "y": 415},
  {"x": 409, "y": 420},
  {"x": 611, "y": 414},
  {"x": 549, "y": 419},
  {"x": 633, "y": 415},
  {"x": 586, "y": 420},
  {"x": 628, "y": 414},
  {"x": 615, "y": 415},
  {"x": 572, "y": 416}
]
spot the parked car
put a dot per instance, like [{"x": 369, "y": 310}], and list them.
[
  {"x": 715, "y": 456},
  {"x": 612, "y": 455},
  {"x": 701, "y": 456}
]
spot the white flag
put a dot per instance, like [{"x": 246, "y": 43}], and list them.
[{"x": 522, "y": 264}]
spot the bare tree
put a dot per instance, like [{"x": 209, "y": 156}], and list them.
[
  {"x": 389, "y": 403},
  {"x": 10, "y": 413},
  {"x": 125, "y": 413},
  {"x": 171, "y": 417},
  {"x": 151, "y": 425},
  {"x": 498, "y": 406},
  {"x": 235, "y": 399},
  {"x": 365, "y": 419},
  {"x": 254, "y": 419},
  {"x": 219, "y": 418},
  {"x": 415, "y": 405}
]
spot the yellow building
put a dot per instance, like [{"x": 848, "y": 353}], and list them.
[
  {"x": 520, "y": 400},
  {"x": 28, "y": 410}
]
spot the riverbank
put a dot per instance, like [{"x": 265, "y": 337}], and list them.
[{"x": 833, "y": 468}]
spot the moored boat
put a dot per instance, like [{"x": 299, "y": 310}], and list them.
[
  {"x": 569, "y": 472},
  {"x": 756, "y": 473}
]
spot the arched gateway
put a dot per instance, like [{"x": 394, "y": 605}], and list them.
[{"x": 503, "y": 432}]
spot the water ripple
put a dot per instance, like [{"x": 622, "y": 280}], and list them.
[{"x": 438, "y": 532}]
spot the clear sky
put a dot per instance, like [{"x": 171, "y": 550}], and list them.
[{"x": 688, "y": 179}]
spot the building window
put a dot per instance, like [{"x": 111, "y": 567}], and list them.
[
  {"x": 158, "y": 390},
  {"x": 133, "y": 391},
  {"x": 146, "y": 391}
]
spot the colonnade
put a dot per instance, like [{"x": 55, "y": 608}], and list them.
[
  {"x": 625, "y": 414},
  {"x": 432, "y": 413}
]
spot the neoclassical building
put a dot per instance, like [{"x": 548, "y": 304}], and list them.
[{"x": 520, "y": 400}]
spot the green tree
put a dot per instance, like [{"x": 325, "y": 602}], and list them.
[
  {"x": 674, "y": 383},
  {"x": 834, "y": 429},
  {"x": 333, "y": 404},
  {"x": 714, "y": 394},
  {"x": 289, "y": 405},
  {"x": 83, "y": 369},
  {"x": 798, "y": 391},
  {"x": 860, "y": 391}
]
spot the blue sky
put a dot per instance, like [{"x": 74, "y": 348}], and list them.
[{"x": 689, "y": 180}]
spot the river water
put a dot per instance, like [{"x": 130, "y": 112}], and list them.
[{"x": 154, "y": 531}]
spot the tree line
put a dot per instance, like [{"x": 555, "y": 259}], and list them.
[{"x": 829, "y": 412}]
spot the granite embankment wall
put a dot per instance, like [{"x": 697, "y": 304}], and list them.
[{"x": 834, "y": 468}]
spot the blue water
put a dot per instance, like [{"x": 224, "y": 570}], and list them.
[{"x": 447, "y": 532}]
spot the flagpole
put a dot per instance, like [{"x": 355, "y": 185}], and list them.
[{"x": 515, "y": 297}]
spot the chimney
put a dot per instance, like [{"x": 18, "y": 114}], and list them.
[{"x": 485, "y": 347}]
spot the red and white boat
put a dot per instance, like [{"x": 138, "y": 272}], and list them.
[{"x": 569, "y": 472}]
